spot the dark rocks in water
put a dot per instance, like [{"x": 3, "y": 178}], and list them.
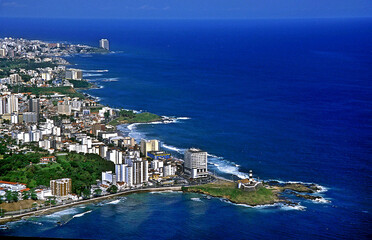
[
  {"x": 309, "y": 197},
  {"x": 273, "y": 183},
  {"x": 314, "y": 187},
  {"x": 298, "y": 187}
]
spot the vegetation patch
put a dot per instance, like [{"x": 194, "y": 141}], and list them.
[
  {"x": 80, "y": 83},
  {"x": 230, "y": 191},
  {"x": 83, "y": 170},
  {"x": 131, "y": 117},
  {"x": 66, "y": 90},
  {"x": 7, "y": 64}
]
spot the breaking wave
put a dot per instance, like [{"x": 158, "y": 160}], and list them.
[
  {"x": 59, "y": 214},
  {"x": 196, "y": 199},
  {"x": 92, "y": 74},
  {"x": 321, "y": 200},
  {"x": 95, "y": 71},
  {"x": 81, "y": 214},
  {"x": 114, "y": 202},
  {"x": 279, "y": 206}
]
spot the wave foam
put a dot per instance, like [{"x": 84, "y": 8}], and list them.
[
  {"x": 321, "y": 200},
  {"x": 173, "y": 148},
  {"x": 81, "y": 214},
  {"x": 196, "y": 199},
  {"x": 280, "y": 206},
  {"x": 59, "y": 214},
  {"x": 225, "y": 166},
  {"x": 114, "y": 202},
  {"x": 92, "y": 74},
  {"x": 110, "y": 79},
  {"x": 95, "y": 71}
]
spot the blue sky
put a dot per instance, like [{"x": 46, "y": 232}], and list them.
[{"x": 185, "y": 9}]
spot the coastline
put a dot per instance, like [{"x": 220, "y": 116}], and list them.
[
  {"x": 97, "y": 199},
  {"x": 162, "y": 120}
]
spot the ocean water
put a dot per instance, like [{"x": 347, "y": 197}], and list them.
[{"x": 289, "y": 99}]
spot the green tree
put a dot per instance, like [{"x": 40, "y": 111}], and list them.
[
  {"x": 113, "y": 189},
  {"x": 15, "y": 196},
  {"x": 107, "y": 114},
  {"x": 8, "y": 196},
  {"x": 33, "y": 194},
  {"x": 25, "y": 195},
  {"x": 86, "y": 193},
  {"x": 97, "y": 192}
]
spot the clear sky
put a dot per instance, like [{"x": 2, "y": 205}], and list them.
[{"x": 185, "y": 9}]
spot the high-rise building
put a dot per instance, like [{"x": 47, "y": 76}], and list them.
[
  {"x": 140, "y": 172},
  {"x": 74, "y": 74},
  {"x": 34, "y": 106},
  {"x": 104, "y": 43},
  {"x": 129, "y": 176},
  {"x": 196, "y": 163},
  {"x": 14, "y": 79},
  {"x": 3, "y": 107},
  {"x": 30, "y": 117},
  {"x": 120, "y": 171},
  {"x": 148, "y": 146},
  {"x": 12, "y": 105},
  {"x": 64, "y": 107},
  {"x": 61, "y": 187}
]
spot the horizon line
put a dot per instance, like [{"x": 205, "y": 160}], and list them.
[{"x": 191, "y": 19}]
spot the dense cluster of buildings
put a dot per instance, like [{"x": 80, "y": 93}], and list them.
[
  {"x": 39, "y": 50},
  {"x": 59, "y": 123}
]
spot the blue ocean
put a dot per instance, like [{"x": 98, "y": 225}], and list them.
[{"x": 289, "y": 99}]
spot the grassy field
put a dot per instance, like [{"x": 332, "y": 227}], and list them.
[
  {"x": 138, "y": 118},
  {"x": 80, "y": 83},
  {"x": 69, "y": 91},
  {"x": 229, "y": 191}
]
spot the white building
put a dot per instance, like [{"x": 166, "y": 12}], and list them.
[
  {"x": 104, "y": 43},
  {"x": 107, "y": 177},
  {"x": 169, "y": 170},
  {"x": 195, "y": 163},
  {"x": 129, "y": 176},
  {"x": 74, "y": 74}
]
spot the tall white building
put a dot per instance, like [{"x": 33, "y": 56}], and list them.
[
  {"x": 196, "y": 163},
  {"x": 129, "y": 176},
  {"x": 74, "y": 74},
  {"x": 104, "y": 43},
  {"x": 14, "y": 79},
  {"x": 9, "y": 104},
  {"x": 120, "y": 172},
  {"x": 140, "y": 172},
  {"x": 107, "y": 177}
]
